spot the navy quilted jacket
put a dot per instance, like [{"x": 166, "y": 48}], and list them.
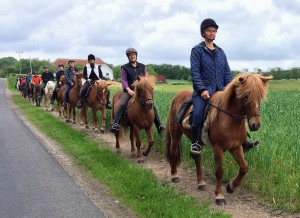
[{"x": 208, "y": 73}]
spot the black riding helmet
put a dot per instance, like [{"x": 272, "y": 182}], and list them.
[
  {"x": 61, "y": 65},
  {"x": 131, "y": 50},
  {"x": 207, "y": 23},
  {"x": 91, "y": 57}
]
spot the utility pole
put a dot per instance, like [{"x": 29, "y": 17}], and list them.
[
  {"x": 19, "y": 59},
  {"x": 30, "y": 64}
]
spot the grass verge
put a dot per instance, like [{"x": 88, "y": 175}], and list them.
[{"x": 136, "y": 187}]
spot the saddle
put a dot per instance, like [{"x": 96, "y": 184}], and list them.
[{"x": 187, "y": 121}]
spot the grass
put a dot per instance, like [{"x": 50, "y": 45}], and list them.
[{"x": 136, "y": 187}]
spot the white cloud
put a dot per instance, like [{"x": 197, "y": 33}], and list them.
[{"x": 253, "y": 34}]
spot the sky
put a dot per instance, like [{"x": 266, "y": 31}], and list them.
[{"x": 254, "y": 34}]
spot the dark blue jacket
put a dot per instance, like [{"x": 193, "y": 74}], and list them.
[
  {"x": 69, "y": 75},
  {"x": 208, "y": 72}
]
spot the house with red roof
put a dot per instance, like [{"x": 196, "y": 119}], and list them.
[{"x": 107, "y": 72}]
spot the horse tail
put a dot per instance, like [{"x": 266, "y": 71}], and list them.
[{"x": 168, "y": 139}]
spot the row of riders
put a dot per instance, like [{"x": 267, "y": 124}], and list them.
[{"x": 231, "y": 104}]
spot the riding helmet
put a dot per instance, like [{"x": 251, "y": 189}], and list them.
[
  {"x": 207, "y": 23},
  {"x": 91, "y": 57},
  {"x": 71, "y": 61},
  {"x": 131, "y": 50},
  {"x": 46, "y": 67},
  {"x": 61, "y": 65}
]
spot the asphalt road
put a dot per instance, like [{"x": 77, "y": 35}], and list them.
[{"x": 32, "y": 183}]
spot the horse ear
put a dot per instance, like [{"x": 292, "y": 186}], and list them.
[
  {"x": 108, "y": 83},
  {"x": 138, "y": 78},
  {"x": 266, "y": 79},
  {"x": 242, "y": 79}
]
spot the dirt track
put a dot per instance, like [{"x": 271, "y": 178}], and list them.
[{"x": 242, "y": 203}]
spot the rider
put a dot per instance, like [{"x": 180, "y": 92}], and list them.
[
  {"x": 36, "y": 79},
  {"x": 210, "y": 73},
  {"x": 28, "y": 78},
  {"x": 91, "y": 73},
  {"x": 46, "y": 77},
  {"x": 58, "y": 74},
  {"x": 129, "y": 73},
  {"x": 69, "y": 76}
]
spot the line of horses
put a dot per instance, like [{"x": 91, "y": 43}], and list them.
[{"x": 225, "y": 126}]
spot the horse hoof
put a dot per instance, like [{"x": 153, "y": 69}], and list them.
[
  {"x": 145, "y": 154},
  {"x": 87, "y": 127},
  {"x": 102, "y": 131},
  {"x": 133, "y": 156},
  {"x": 96, "y": 131},
  {"x": 119, "y": 152},
  {"x": 68, "y": 121},
  {"x": 228, "y": 189},
  {"x": 202, "y": 187},
  {"x": 175, "y": 180},
  {"x": 81, "y": 124},
  {"x": 221, "y": 202},
  {"x": 74, "y": 122},
  {"x": 140, "y": 161}
]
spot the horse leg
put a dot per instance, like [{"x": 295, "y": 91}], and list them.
[
  {"x": 200, "y": 177},
  {"x": 95, "y": 128},
  {"x": 84, "y": 115},
  {"x": 149, "y": 133},
  {"x": 68, "y": 116},
  {"x": 74, "y": 115},
  {"x": 238, "y": 155},
  {"x": 117, "y": 135},
  {"x": 218, "y": 154},
  {"x": 131, "y": 136},
  {"x": 174, "y": 149},
  {"x": 103, "y": 119},
  {"x": 138, "y": 143}
]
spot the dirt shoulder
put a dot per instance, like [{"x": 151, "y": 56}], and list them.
[{"x": 242, "y": 203}]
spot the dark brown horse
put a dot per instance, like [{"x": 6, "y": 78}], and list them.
[
  {"x": 74, "y": 97},
  {"x": 30, "y": 88},
  {"x": 140, "y": 115},
  {"x": 60, "y": 97},
  {"x": 96, "y": 100},
  {"x": 36, "y": 94},
  {"x": 226, "y": 127}
]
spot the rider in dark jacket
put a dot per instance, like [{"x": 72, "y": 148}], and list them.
[
  {"x": 91, "y": 73},
  {"x": 129, "y": 73},
  {"x": 58, "y": 74},
  {"x": 46, "y": 77},
  {"x": 69, "y": 76}
]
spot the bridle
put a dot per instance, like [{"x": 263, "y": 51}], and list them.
[
  {"x": 144, "y": 102},
  {"x": 243, "y": 116},
  {"x": 96, "y": 91}
]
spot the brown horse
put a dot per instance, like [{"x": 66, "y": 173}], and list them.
[
  {"x": 74, "y": 97},
  {"x": 60, "y": 97},
  {"x": 36, "y": 94},
  {"x": 140, "y": 115},
  {"x": 226, "y": 127},
  {"x": 96, "y": 100}
]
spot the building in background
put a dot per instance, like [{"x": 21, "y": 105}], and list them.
[{"x": 107, "y": 72}]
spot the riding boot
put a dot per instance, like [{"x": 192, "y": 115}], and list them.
[
  {"x": 159, "y": 126},
  {"x": 118, "y": 116},
  {"x": 247, "y": 146},
  {"x": 195, "y": 146},
  {"x": 82, "y": 98}
]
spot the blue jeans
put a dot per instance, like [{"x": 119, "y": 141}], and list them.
[{"x": 66, "y": 96}]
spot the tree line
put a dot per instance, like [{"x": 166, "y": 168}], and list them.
[{"x": 174, "y": 72}]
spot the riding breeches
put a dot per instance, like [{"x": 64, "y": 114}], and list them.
[
  {"x": 66, "y": 95},
  {"x": 199, "y": 105}
]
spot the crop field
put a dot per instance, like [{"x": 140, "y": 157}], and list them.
[{"x": 274, "y": 167}]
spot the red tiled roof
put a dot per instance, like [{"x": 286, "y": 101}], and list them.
[{"x": 77, "y": 61}]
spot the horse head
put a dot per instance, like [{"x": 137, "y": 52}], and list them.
[
  {"x": 49, "y": 87},
  {"x": 143, "y": 91},
  {"x": 78, "y": 79},
  {"x": 250, "y": 90},
  {"x": 62, "y": 80},
  {"x": 101, "y": 90}
]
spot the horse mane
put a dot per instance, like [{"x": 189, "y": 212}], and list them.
[
  {"x": 101, "y": 84},
  {"x": 252, "y": 86},
  {"x": 143, "y": 82}
]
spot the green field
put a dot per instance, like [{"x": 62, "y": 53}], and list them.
[{"x": 274, "y": 167}]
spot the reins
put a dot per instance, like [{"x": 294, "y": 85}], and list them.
[{"x": 241, "y": 117}]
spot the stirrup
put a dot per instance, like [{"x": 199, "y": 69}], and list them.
[
  {"x": 195, "y": 149},
  {"x": 160, "y": 129},
  {"x": 79, "y": 105},
  {"x": 115, "y": 127},
  {"x": 247, "y": 146}
]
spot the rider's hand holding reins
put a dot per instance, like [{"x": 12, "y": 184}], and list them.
[{"x": 205, "y": 95}]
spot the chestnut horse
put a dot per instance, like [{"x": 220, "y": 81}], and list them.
[
  {"x": 140, "y": 115},
  {"x": 60, "y": 97},
  {"x": 225, "y": 126},
  {"x": 96, "y": 100},
  {"x": 74, "y": 97}
]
